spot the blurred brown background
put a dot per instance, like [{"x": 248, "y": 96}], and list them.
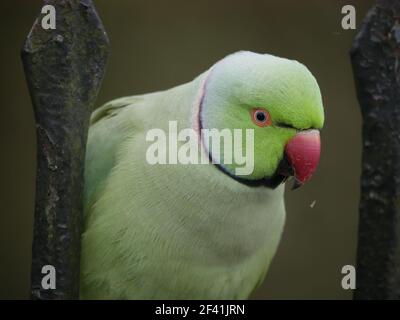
[{"x": 159, "y": 44}]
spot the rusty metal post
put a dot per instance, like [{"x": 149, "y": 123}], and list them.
[
  {"x": 375, "y": 58},
  {"x": 64, "y": 68}
]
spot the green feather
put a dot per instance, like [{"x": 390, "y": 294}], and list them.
[{"x": 189, "y": 231}]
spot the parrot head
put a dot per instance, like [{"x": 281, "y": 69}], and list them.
[{"x": 280, "y": 100}]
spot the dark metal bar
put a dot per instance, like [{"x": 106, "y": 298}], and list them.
[
  {"x": 64, "y": 69},
  {"x": 375, "y": 58}
]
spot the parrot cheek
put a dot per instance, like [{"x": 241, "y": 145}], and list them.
[{"x": 303, "y": 154}]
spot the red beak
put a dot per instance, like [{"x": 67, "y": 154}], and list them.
[{"x": 303, "y": 152}]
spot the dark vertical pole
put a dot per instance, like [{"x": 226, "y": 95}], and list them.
[
  {"x": 64, "y": 69},
  {"x": 375, "y": 57}
]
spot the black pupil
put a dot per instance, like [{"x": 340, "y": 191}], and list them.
[{"x": 260, "y": 116}]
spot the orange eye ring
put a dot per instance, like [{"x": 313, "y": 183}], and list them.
[{"x": 261, "y": 117}]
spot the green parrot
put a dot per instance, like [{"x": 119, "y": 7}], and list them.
[{"x": 196, "y": 231}]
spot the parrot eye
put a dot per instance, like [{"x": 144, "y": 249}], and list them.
[{"x": 261, "y": 117}]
